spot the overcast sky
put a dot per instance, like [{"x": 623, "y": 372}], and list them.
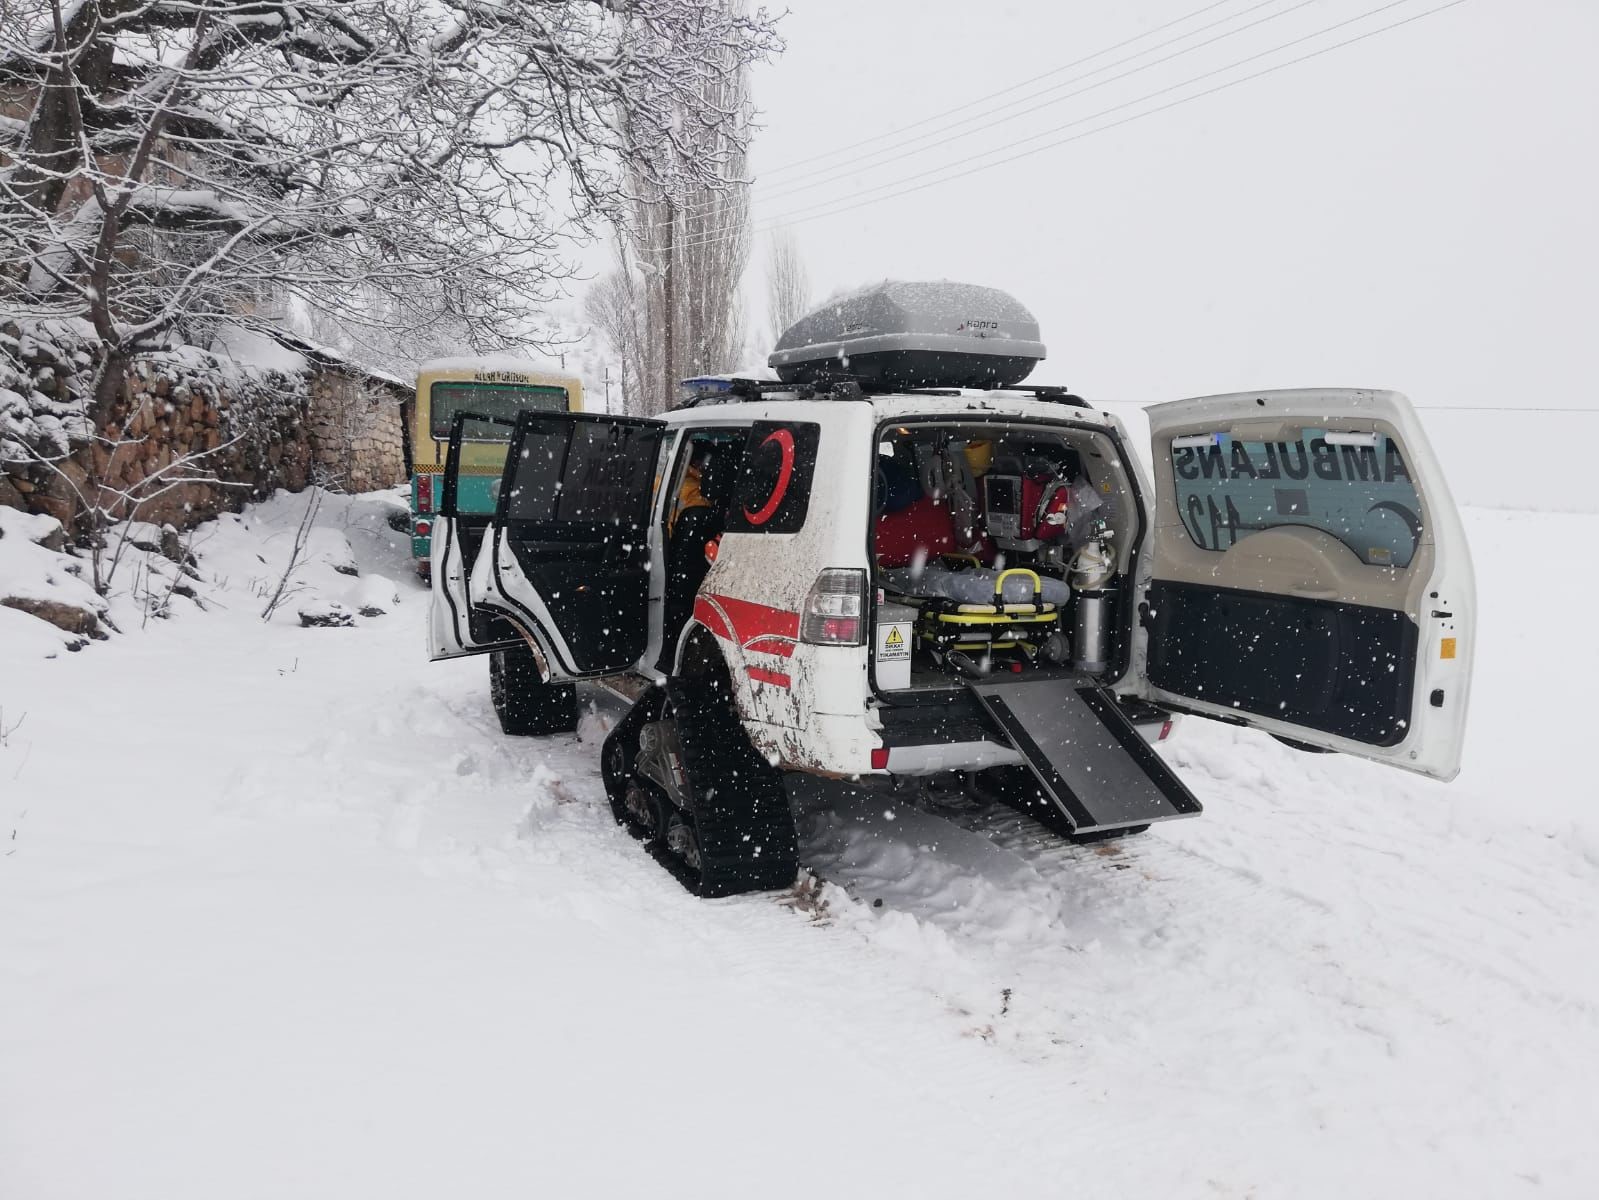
[{"x": 1415, "y": 211}]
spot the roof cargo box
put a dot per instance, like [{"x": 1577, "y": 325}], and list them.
[{"x": 909, "y": 335}]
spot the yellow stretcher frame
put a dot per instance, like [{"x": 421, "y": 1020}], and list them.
[{"x": 1014, "y": 619}]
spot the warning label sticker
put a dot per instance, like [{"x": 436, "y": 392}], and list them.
[{"x": 892, "y": 643}]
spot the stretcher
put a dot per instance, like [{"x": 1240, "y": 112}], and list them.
[
  {"x": 1012, "y": 629},
  {"x": 958, "y": 577}
]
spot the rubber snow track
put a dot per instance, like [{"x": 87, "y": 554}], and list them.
[{"x": 328, "y": 933}]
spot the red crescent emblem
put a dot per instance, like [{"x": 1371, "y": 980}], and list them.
[{"x": 785, "y": 445}]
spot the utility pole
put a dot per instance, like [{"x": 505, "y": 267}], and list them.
[
  {"x": 607, "y": 387},
  {"x": 669, "y": 313}
]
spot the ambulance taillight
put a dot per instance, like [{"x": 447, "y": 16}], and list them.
[{"x": 835, "y": 608}]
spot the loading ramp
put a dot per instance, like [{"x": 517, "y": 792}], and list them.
[{"x": 1087, "y": 757}]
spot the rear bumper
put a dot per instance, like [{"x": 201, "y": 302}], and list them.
[
  {"x": 934, "y": 758},
  {"x": 924, "y": 739}
]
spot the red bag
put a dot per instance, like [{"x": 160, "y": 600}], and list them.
[{"x": 922, "y": 530}]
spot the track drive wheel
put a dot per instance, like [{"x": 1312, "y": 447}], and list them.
[
  {"x": 636, "y": 803},
  {"x": 525, "y": 704},
  {"x": 682, "y": 777},
  {"x": 736, "y": 832}
]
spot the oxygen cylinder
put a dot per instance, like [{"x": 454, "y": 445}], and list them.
[{"x": 1093, "y": 580}]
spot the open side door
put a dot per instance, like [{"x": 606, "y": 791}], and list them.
[
  {"x": 568, "y": 557},
  {"x": 1311, "y": 575},
  {"x": 473, "y": 465}
]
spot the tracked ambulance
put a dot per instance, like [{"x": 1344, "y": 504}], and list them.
[{"x": 901, "y": 562}]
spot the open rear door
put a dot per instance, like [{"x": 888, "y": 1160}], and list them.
[
  {"x": 472, "y": 469},
  {"x": 1311, "y": 575},
  {"x": 568, "y": 556}
]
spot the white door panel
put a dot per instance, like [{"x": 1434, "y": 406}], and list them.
[
  {"x": 1310, "y": 574},
  {"x": 452, "y": 630}
]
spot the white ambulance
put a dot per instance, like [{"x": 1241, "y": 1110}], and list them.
[{"x": 903, "y": 561}]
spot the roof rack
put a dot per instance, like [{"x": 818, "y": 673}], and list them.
[
  {"x": 1044, "y": 391},
  {"x": 735, "y": 389}
]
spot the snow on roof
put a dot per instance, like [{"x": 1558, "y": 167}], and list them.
[
  {"x": 323, "y": 353},
  {"x": 495, "y": 362},
  {"x": 1000, "y": 402},
  {"x": 281, "y": 350},
  {"x": 249, "y": 348}
]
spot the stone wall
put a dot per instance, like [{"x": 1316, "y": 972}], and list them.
[
  {"x": 191, "y": 436},
  {"x": 358, "y": 430}
]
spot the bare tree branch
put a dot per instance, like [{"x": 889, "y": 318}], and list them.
[
  {"x": 788, "y": 284},
  {"x": 359, "y": 162}
]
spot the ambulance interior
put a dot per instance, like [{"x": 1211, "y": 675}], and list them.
[
  {"x": 979, "y": 531},
  {"x": 701, "y": 483}
]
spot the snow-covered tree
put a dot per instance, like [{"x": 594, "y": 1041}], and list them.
[
  {"x": 788, "y": 284},
  {"x": 615, "y": 304},
  {"x": 671, "y": 308},
  {"x": 165, "y": 163}
]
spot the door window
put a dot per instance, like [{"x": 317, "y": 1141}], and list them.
[
  {"x": 774, "y": 487},
  {"x": 1354, "y": 486},
  {"x": 476, "y": 460},
  {"x": 596, "y": 472},
  {"x": 721, "y": 451}
]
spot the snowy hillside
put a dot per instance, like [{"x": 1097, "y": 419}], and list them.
[{"x": 328, "y": 933}]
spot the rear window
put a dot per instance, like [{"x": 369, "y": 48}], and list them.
[
  {"x": 584, "y": 472},
  {"x": 1355, "y": 487},
  {"x": 774, "y": 487},
  {"x": 504, "y": 400}
]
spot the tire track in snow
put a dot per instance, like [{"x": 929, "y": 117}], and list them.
[{"x": 1393, "y": 967}]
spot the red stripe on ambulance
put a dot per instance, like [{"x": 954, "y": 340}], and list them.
[
  {"x": 762, "y": 675},
  {"x": 759, "y": 628}
]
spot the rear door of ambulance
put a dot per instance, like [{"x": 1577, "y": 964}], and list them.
[{"x": 1310, "y": 575}]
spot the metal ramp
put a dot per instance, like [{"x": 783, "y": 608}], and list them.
[{"x": 1086, "y": 755}]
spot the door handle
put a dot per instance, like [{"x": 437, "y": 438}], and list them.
[{"x": 1311, "y": 591}]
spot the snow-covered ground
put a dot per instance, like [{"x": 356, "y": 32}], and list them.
[{"x": 282, "y": 913}]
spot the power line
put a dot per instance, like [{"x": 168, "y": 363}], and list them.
[
  {"x": 794, "y": 217},
  {"x": 1479, "y": 408},
  {"x": 1498, "y": 408},
  {"x": 1051, "y": 73},
  {"x": 830, "y": 173},
  {"x": 837, "y": 171},
  {"x": 1033, "y": 137}
]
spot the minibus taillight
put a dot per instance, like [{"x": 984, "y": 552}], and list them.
[{"x": 424, "y": 494}]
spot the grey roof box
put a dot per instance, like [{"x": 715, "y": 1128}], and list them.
[{"x": 908, "y": 335}]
